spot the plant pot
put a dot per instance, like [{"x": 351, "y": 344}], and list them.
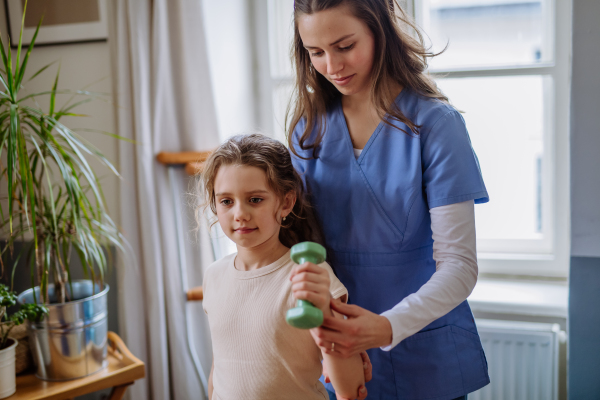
[
  {"x": 70, "y": 342},
  {"x": 7, "y": 370},
  {"x": 23, "y": 360}
]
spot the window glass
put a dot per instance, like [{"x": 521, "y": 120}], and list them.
[
  {"x": 281, "y": 14},
  {"x": 282, "y": 93},
  {"x": 506, "y": 131},
  {"x": 487, "y": 32}
]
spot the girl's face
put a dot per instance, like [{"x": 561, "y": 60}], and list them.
[
  {"x": 341, "y": 48},
  {"x": 248, "y": 210}
]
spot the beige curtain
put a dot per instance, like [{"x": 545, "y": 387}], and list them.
[{"x": 164, "y": 102}]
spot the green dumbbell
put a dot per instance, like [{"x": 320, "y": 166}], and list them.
[{"x": 305, "y": 315}]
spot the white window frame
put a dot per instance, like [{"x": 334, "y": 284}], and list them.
[{"x": 549, "y": 258}]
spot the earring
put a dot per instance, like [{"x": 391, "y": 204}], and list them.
[{"x": 284, "y": 218}]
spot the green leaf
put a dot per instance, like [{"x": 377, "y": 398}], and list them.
[
  {"x": 27, "y": 179},
  {"x": 38, "y": 94},
  {"x": 68, "y": 107},
  {"x": 50, "y": 191},
  {"x": 32, "y": 272},
  {"x": 9, "y": 74},
  {"x": 39, "y": 71},
  {"x": 11, "y": 153},
  {"x": 21, "y": 72},
  {"x": 14, "y": 268},
  {"x": 7, "y": 63},
  {"x": 20, "y": 40},
  {"x": 53, "y": 94},
  {"x": 113, "y": 135},
  {"x": 6, "y": 86}
]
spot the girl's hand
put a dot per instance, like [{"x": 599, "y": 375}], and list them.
[
  {"x": 361, "y": 331},
  {"x": 362, "y": 391},
  {"x": 311, "y": 283}
]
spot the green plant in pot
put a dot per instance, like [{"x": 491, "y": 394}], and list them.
[
  {"x": 32, "y": 312},
  {"x": 55, "y": 201}
]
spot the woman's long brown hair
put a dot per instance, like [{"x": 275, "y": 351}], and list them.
[
  {"x": 399, "y": 57},
  {"x": 274, "y": 159}
]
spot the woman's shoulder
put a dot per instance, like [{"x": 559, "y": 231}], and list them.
[{"x": 425, "y": 111}]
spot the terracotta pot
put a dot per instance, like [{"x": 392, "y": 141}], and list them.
[{"x": 8, "y": 385}]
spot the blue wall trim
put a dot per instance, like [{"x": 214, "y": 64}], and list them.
[{"x": 584, "y": 328}]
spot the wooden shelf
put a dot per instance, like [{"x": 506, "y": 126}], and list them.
[
  {"x": 192, "y": 160},
  {"x": 122, "y": 370}
]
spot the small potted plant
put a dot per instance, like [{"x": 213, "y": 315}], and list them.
[{"x": 32, "y": 312}]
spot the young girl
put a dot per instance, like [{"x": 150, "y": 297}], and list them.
[{"x": 257, "y": 196}]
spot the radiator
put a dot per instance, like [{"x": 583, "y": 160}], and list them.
[{"x": 522, "y": 360}]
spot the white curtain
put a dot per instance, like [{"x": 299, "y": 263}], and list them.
[{"x": 164, "y": 102}]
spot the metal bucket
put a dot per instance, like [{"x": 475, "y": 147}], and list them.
[{"x": 70, "y": 342}]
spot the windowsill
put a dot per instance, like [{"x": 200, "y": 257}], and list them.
[{"x": 548, "y": 299}]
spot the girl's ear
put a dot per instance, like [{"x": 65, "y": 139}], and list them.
[{"x": 289, "y": 201}]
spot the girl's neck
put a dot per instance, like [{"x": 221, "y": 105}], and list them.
[{"x": 251, "y": 258}]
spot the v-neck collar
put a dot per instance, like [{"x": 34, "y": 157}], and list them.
[{"x": 373, "y": 136}]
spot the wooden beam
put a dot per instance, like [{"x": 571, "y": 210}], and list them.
[
  {"x": 182, "y": 158},
  {"x": 194, "y": 168},
  {"x": 195, "y": 294}
]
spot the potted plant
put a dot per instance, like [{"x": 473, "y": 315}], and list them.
[
  {"x": 55, "y": 200},
  {"x": 31, "y": 312}
]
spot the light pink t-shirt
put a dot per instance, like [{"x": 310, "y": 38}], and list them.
[{"x": 257, "y": 355}]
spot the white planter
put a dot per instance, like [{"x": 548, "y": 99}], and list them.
[{"x": 7, "y": 370}]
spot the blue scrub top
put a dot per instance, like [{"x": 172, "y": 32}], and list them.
[{"x": 374, "y": 212}]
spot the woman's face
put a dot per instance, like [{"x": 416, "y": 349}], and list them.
[{"x": 341, "y": 48}]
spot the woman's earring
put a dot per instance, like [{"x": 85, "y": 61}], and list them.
[{"x": 284, "y": 218}]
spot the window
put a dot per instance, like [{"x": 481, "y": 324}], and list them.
[{"x": 506, "y": 67}]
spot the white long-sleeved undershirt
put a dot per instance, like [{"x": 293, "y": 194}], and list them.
[{"x": 454, "y": 252}]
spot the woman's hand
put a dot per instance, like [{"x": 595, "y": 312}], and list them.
[
  {"x": 361, "y": 331},
  {"x": 311, "y": 283},
  {"x": 368, "y": 367}
]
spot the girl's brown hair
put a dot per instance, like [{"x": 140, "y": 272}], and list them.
[
  {"x": 273, "y": 158},
  {"x": 399, "y": 57}
]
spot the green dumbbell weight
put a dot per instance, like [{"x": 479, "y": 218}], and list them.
[{"x": 305, "y": 315}]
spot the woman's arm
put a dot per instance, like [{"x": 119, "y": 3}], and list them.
[{"x": 454, "y": 251}]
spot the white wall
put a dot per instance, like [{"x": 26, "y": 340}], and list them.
[
  {"x": 585, "y": 131},
  {"x": 80, "y": 65}
]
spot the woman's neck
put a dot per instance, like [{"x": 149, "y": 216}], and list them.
[
  {"x": 251, "y": 258},
  {"x": 363, "y": 101}
]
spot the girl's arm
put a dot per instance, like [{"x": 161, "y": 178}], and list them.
[
  {"x": 311, "y": 282},
  {"x": 347, "y": 375},
  {"x": 210, "y": 384}
]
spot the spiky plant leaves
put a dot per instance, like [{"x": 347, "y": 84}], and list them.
[{"x": 64, "y": 212}]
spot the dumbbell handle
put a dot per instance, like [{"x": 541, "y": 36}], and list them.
[{"x": 299, "y": 261}]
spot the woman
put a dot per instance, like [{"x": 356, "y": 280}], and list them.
[{"x": 393, "y": 180}]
